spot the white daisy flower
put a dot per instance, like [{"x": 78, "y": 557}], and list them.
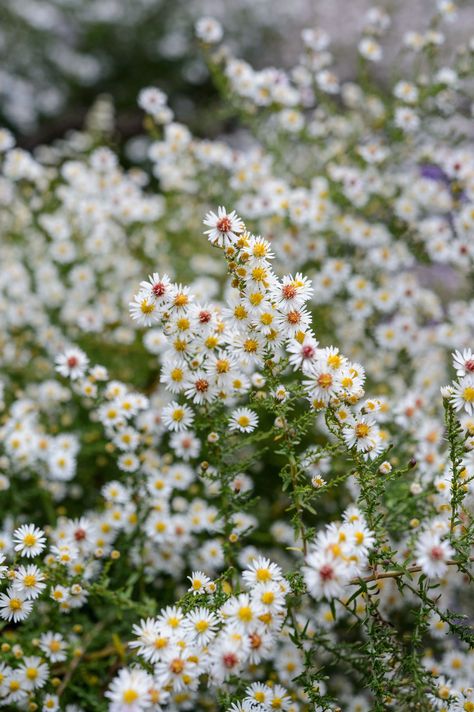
[
  {"x": 29, "y": 540},
  {"x": 224, "y": 227},
  {"x": 244, "y": 420}
]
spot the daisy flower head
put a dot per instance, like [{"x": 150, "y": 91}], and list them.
[
  {"x": 29, "y": 581},
  {"x": 177, "y": 417},
  {"x": 363, "y": 434},
  {"x": 209, "y": 30},
  {"x": 432, "y": 554},
  {"x": 224, "y": 227},
  {"x": 227, "y": 659},
  {"x": 50, "y": 703},
  {"x": 34, "y": 672},
  {"x": 463, "y": 362},
  {"x": 370, "y": 49},
  {"x": 241, "y": 613},
  {"x": 159, "y": 287},
  {"x": 321, "y": 385},
  {"x": 304, "y": 351},
  {"x": 294, "y": 321},
  {"x": 53, "y": 646},
  {"x": 462, "y": 396},
  {"x": 129, "y": 691},
  {"x": 359, "y": 538},
  {"x": 261, "y": 570},
  {"x": 199, "y": 582},
  {"x": 244, "y": 420},
  {"x": 152, "y": 100},
  {"x": 199, "y": 388},
  {"x": 185, "y": 445},
  {"x": 259, "y": 249},
  {"x": 325, "y": 575},
  {"x": 144, "y": 309},
  {"x": 72, "y": 363},
  {"x": 201, "y": 625},
  {"x": 14, "y": 606},
  {"x": 279, "y": 698},
  {"x": 292, "y": 292},
  {"x": 258, "y": 694},
  {"x": 180, "y": 297},
  {"x": 29, "y": 540}
]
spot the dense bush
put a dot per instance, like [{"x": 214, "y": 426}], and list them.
[{"x": 236, "y": 469}]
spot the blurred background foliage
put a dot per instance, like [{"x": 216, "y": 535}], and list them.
[{"x": 57, "y": 56}]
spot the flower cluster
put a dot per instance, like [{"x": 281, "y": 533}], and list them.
[
  {"x": 217, "y": 641},
  {"x": 242, "y": 483}
]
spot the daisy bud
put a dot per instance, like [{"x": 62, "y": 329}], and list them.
[{"x": 446, "y": 391}]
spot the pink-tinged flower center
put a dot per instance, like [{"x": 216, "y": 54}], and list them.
[
  {"x": 289, "y": 291},
  {"x": 437, "y": 553},
  {"x": 201, "y": 385},
  {"x": 255, "y": 640},
  {"x": 230, "y": 660},
  {"x": 223, "y": 224},
  {"x": 205, "y": 317},
  {"x": 326, "y": 572},
  {"x": 469, "y": 365},
  {"x": 72, "y": 361},
  {"x": 307, "y": 351},
  {"x": 158, "y": 289},
  {"x": 293, "y": 317}
]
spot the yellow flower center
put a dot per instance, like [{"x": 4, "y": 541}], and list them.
[
  {"x": 240, "y": 312},
  {"x": 201, "y": 626},
  {"x": 255, "y": 299},
  {"x": 130, "y": 696},
  {"x": 147, "y": 307},
  {"x": 222, "y": 365},
  {"x": 325, "y": 380},
  {"x": 245, "y": 614},
  {"x": 362, "y": 430},
  {"x": 250, "y": 346},
  {"x": 181, "y": 300},
  {"x": 468, "y": 394},
  {"x": 177, "y": 666}
]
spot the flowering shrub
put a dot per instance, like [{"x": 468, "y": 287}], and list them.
[{"x": 236, "y": 469}]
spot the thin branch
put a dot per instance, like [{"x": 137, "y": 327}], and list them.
[
  {"x": 87, "y": 641},
  {"x": 395, "y": 574}
]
